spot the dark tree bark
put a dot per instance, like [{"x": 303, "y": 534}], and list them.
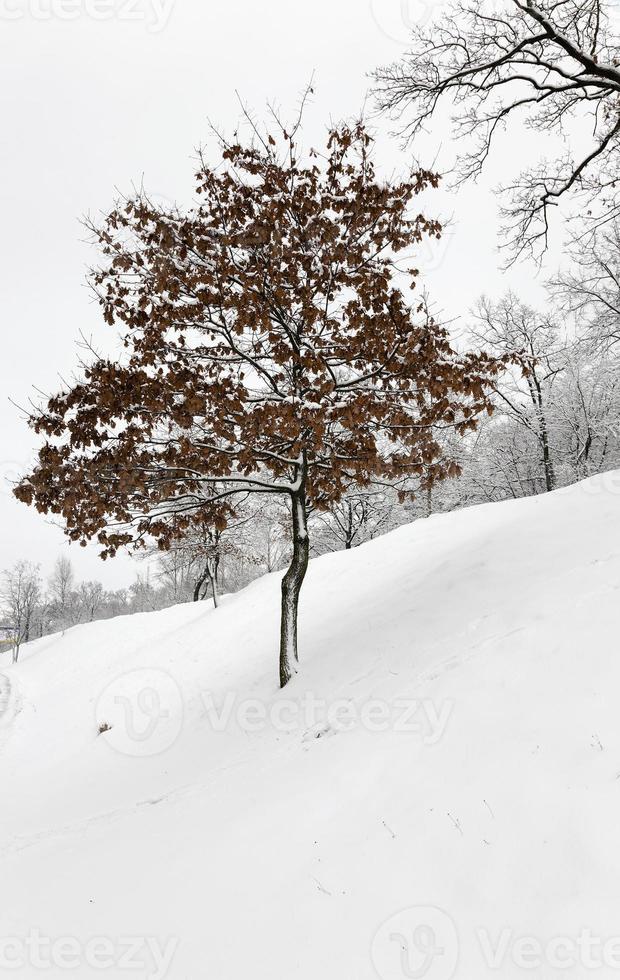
[
  {"x": 292, "y": 582},
  {"x": 199, "y": 584},
  {"x": 350, "y": 532},
  {"x": 548, "y": 465},
  {"x": 546, "y": 448},
  {"x": 212, "y": 576}
]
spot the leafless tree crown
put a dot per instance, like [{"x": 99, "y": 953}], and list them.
[{"x": 551, "y": 64}]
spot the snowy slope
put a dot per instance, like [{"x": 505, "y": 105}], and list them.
[{"x": 437, "y": 794}]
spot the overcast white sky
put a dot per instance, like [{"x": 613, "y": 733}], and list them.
[{"x": 96, "y": 94}]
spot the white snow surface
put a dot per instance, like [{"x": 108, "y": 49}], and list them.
[{"x": 278, "y": 848}]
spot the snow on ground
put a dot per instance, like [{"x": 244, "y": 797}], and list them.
[{"x": 436, "y": 794}]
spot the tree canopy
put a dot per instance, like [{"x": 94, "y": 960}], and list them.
[{"x": 273, "y": 345}]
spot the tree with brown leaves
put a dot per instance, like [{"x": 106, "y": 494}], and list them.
[{"x": 270, "y": 349}]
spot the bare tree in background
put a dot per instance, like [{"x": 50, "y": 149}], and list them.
[
  {"x": 503, "y": 462},
  {"x": 551, "y": 65},
  {"x": 62, "y": 598},
  {"x": 144, "y": 597},
  {"x": 587, "y": 413},
  {"x": 21, "y": 594},
  {"x": 91, "y": 598},
  {"x": 524, "y": 391},
  {"x": 267, "y": 535},
  {"x": 361, "y": 515},
  {"x": 194, "y": 564},
  {"x": 591, "y": 290}
]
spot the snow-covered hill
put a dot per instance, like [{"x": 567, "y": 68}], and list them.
[{"x": 437, "y": 794}]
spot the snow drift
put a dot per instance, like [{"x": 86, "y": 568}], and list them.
[{"x": 436, "y": 794}]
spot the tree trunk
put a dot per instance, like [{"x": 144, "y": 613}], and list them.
[
  {"x": 348, "y": 541},
  {"x": 291, "y": 587},
  {"x": 547, "y": 462},
  {"x": 198, "y": 586},
  {"x": 212, "y": 573},
  {"x": 539, "y": 407}
]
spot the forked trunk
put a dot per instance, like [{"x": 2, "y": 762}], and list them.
[
  {"x": 209, "y": 572},
  {"x": 213, "y": 581},
  {"x": 291, "y": 587},
  {"x": 198, "y": 586}
]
